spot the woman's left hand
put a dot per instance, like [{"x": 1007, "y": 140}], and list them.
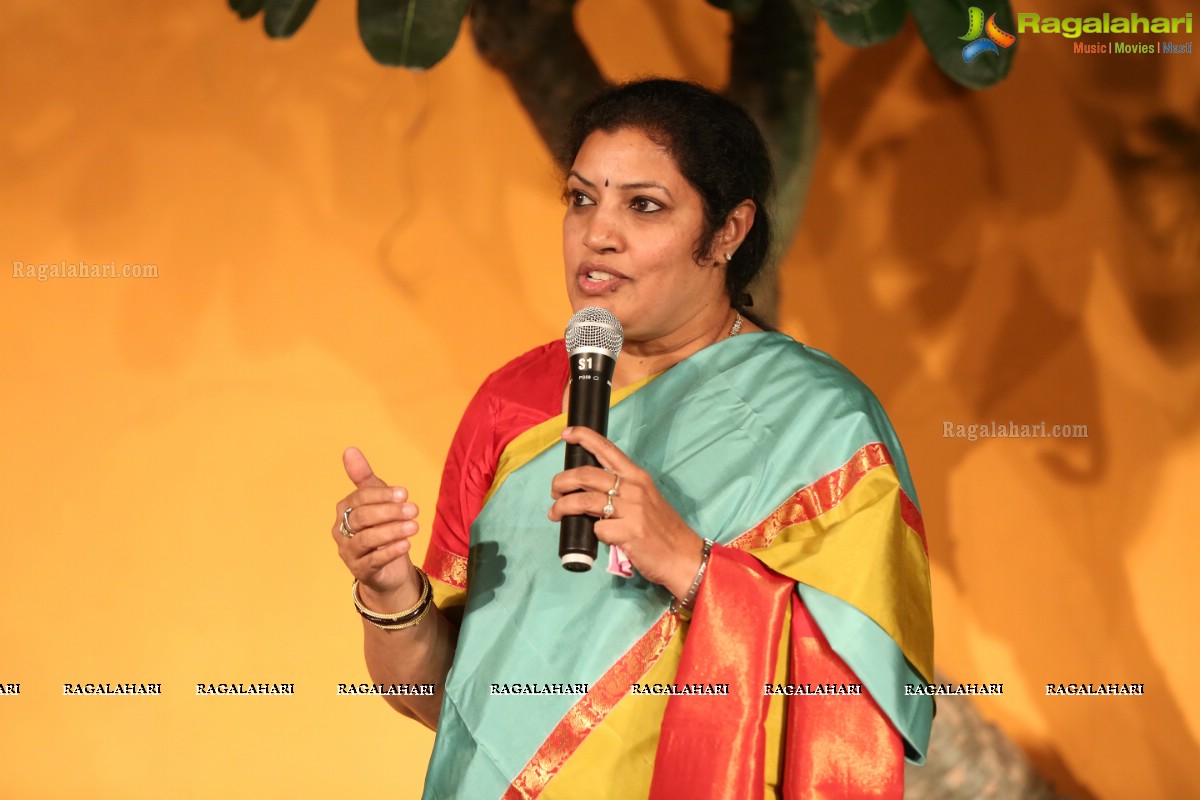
[{"x": 657, "y": 541}]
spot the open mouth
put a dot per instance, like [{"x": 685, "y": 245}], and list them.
[{"x": 595, "y": 280}]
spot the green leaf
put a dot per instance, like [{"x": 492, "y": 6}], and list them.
[
  {"x": 942, "y": 23},
  {"x": 410, "y": 33},
  {"x": 739, "y": 7},
  {"x": 246, "y": 8},
  {"x": 284, "y": 17},
  {"x": 874, "y": 26}
]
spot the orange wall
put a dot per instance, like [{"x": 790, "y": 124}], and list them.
[{"x": 335, "y": 242}]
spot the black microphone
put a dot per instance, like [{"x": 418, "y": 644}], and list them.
[{"x": 594, "y": 338}]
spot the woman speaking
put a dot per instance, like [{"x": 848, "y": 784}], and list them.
[{"x": 767, "y": 600}]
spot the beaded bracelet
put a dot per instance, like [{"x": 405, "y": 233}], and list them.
[
  {"x": 690, "y": 598},
  {"x": 402, "y": 619}
]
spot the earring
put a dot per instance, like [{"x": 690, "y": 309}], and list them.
[{"x": 728, "y": 258}]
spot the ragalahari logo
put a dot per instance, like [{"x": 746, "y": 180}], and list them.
[{"x": 995, "y": 36}]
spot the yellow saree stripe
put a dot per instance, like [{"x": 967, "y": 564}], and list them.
[
  {"x": 621, "y": 747},
  {"x": 593, "y": 709},
  {"x": 865, "y": 527},
  {"x": 446, "y": 595},
  {"x": 540, "y": 438}
]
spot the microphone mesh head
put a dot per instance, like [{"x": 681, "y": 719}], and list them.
[{"x": 595, "y": 327}]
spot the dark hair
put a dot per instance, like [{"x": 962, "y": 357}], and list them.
[{"x": 716, "y": 146}]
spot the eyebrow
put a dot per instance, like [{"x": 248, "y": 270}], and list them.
[{"x": 636, "y": 185}]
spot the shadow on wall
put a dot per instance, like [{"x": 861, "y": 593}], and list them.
[{"x": 1030, "y": 253}]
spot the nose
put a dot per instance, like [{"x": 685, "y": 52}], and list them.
[{"x": 602, "y": 233}]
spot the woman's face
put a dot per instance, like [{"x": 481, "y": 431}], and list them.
[{"x": 629, "y": 234}]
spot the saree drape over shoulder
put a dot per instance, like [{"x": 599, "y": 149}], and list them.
[{"x": 818, "y": 583}]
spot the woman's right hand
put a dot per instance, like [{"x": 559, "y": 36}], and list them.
[{"x": 383, "y": 521}]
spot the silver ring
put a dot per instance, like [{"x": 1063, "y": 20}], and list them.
[
  {"x": 613, "y": 492},
  {"x": 608, "y": 509},
  {"x": 345, "y": 528}
]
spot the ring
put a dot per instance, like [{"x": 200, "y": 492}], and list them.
[
  {"x": 608, "y": 508},
  {"x": 613, "y": 492},
  {"x": 345, "y": 528}
]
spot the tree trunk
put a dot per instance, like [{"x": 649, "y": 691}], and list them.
[{"x": 773, "y": 76}]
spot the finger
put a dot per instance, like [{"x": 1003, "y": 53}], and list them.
[
  {"x": 607, "y": 453},
  {"x": 610, "y": 531},
  {"x": 380, "y": 558},
  {"x": 572, "y": 480},
  {"x": 358, "y": 469},
  {"x": 578, "y": 503},
  {"x": 363, "y": 518},
  {"x": 373, "y": 494},
  {"x": 380, "y": 536}
]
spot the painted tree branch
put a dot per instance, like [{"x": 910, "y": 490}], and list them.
[
  {"x": 535, "y": 45},
  {"x": 772, "y": 75}
]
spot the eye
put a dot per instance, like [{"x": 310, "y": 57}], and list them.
[
  {"x": 576, "y": 198},
  {"x": 645, "y": 205}
]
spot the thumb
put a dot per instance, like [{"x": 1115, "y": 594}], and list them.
[{"x": 358, "y": 470}]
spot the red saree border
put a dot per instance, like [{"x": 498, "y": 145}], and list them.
[
  {"x": 836, "y": 732},
  {"x": 824, "y": 494},
  {"x": 587, "y": 713},
  {"x": 714, "y": 748},
  {"x": 835, "y": 746},
  {"x": 447, "y": 567}
]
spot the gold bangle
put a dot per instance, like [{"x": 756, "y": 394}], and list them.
[
  {"x": 401, "y": 619},
  {"x": 394, "y": 626}
]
